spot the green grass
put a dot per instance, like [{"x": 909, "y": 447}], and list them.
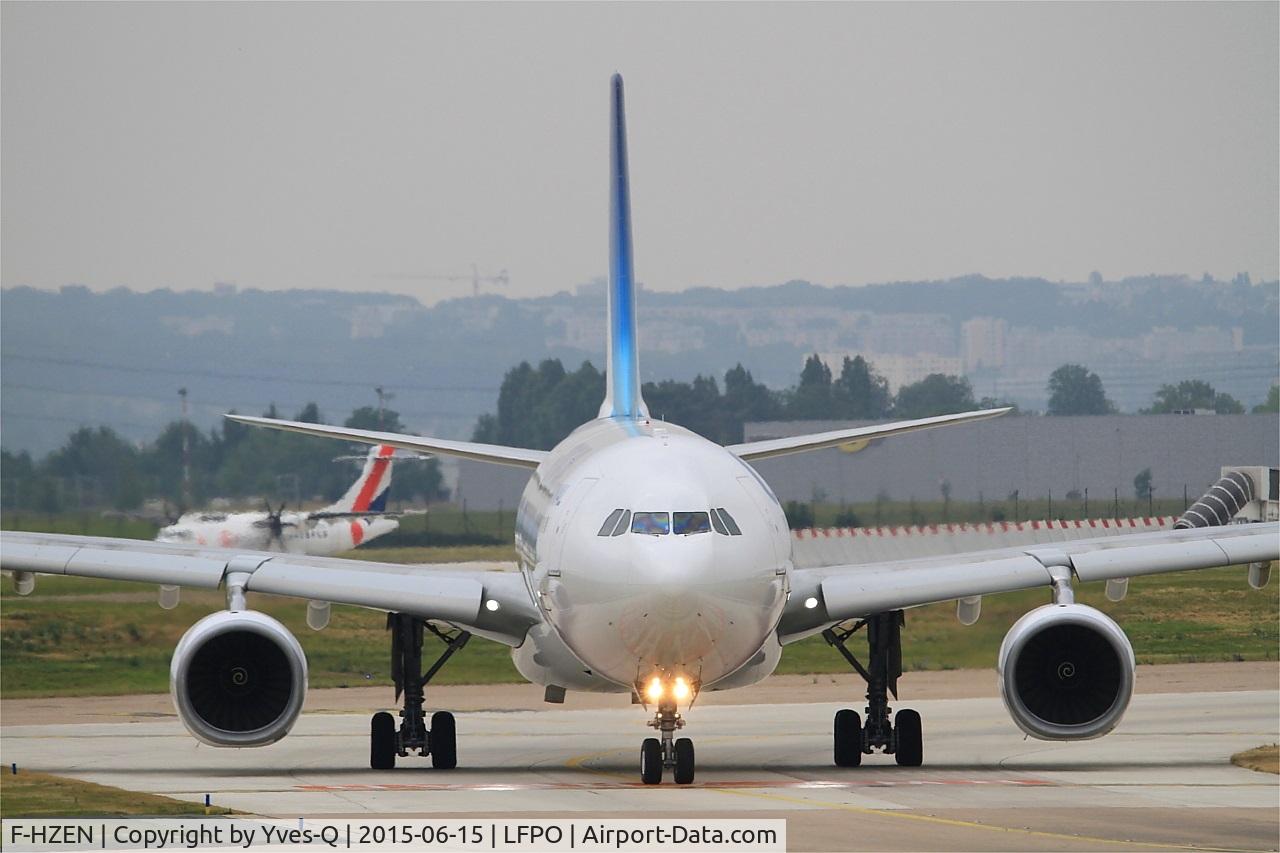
[
  {"x": 52, "y": 645},
  {"x": 80, "y": 523},
  {"x": 1210, "y": 615},
  {"x": 41, "y": 795}
]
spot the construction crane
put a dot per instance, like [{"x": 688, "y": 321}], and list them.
[{"x": 499, "y": 279}]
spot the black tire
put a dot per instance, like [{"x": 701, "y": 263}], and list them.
[
  {"x": 444, "y": 741},
  {"x": 906, "y": 724},
  {"x": 651, "y": 761},
  {"x": 382, "y": 741},
  {"x": 848, "y": 738},
  {"x": 684, "y": 761}
]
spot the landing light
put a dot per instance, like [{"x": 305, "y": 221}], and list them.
[
  {"x": 491, "y": 605},
  {"x": 682, "y": 689},
  {"x": 654, "y": 691},
  {"x": 810, "y": 603}
]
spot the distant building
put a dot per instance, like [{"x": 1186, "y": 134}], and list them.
[
  {"x": 1030, "y": 454},
  {"x": 982, "y": 343}
]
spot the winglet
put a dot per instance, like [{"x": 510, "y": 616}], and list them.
[{"x": 622, "y": 398}]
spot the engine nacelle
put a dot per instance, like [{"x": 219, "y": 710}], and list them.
[
  {"x": 1066, "y": 672},
  {"x": 238, "y": 678}
]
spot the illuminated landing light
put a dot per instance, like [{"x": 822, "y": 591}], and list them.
[
  {"x": 654, "y": 690},
  {"x": 681, "y": 689},
  {"x": 810, "y": 603},
  {"x": 491, "y": 605}
]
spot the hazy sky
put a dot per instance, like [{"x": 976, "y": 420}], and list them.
[{"x": 297, "y": 145}]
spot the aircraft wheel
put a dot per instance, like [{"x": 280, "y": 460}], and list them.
[
  {"x": 684, "y": 761},
  {"x": 906, "y": 724},
  {"x": 651, "y": 761},
  {"x": 382, "y": 741},
  {"x": 848, "y": 738},
  {"x": 444, "y": 741}
]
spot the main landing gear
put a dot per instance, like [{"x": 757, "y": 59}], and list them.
[
  {"x": 902, "y": 737},
  {"x": 657, "y": 755},
  {"x": 440, "y": 740}
]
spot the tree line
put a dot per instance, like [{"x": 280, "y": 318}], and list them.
[
  {"x": 96, "y": 467},
  {"x": 539, "y": 406},
  {"x": 1076, "y": 390}
]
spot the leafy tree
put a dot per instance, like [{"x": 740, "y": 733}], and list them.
[
  {"x": 370, "y": 418},
  {"x": 846, "y": 517},
  {"x": 860, "y": 392},
  {"x": 799, "y": 515},
  {"x": 1076, "y": 390},
  {"x": 812, "y": 399},
  {"x": 161, "y": 462},
  {"x": 936, "y": 394},
  {"x": 1142, "y": 484},
  {"x": 1272, "y": 403},
  {"x": 538, "y": 407},
  {"x": 102, "y": 462},
  {"x": 746, "y": 400},
  {"x": 1193, "y": 394},
  {"x": 697, "y": 406}
]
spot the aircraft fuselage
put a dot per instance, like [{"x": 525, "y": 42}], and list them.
[{"x": 651, "y": 552}]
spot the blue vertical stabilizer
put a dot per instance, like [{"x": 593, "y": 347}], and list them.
[{"x": 622, "y": 398}]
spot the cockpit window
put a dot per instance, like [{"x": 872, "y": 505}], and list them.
[
  {"x": 611, "y": 522},
  {"x": 734, "y": 530},
  {"x": 624, "y": 524},
  {"x": 652, "y": 523},
  {"x": 718, "y": 524},
  {"x": 688, "y": 523}
]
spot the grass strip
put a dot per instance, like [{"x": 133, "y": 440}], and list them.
[
  {"x": 1264, "y": 759},
  {"x": 32, "y": 794},
  {"x": 91, "y": 637}
]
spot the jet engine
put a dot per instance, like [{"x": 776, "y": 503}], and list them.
[
  {"x": 238, "y": 678},
  {"x": 1066, "y": 672}
]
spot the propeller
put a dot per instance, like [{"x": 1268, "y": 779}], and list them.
[{"x": 275, "y": 526}]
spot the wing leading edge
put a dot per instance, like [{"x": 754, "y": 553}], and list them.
[
  {"x": 825, "y": 596},
  {"x": 499, "y": 454},
  {"x": 451, "y": 593}
]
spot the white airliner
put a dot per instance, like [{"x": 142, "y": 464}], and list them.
[
  {"x": 356, "y": 518},
  {"x": 654, "y": 563}
]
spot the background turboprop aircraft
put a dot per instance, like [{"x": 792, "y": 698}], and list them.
[
  {"x": 652, "y": 562},
  {"x": 359, "y": 516}
]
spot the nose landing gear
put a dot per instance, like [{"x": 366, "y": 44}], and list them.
[
  {"x": 676, "y": 753},
  {"x": 902, "y": 738},
  {"x": 440, "y": 740}
]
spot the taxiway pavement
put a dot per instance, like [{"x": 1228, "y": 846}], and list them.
[{"x": 1162, "y": 780}]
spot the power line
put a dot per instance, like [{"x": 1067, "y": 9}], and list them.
[
  {"x": 215, "y": 406},
  {"x": 27, "y": 416},
  {"x": 216, "y": 374}
]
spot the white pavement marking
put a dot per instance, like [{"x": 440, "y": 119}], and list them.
[{"x": 1171, "y": 750}]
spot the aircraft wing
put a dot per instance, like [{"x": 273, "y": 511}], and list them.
[
  {"x": 494, "y": 604},
  {"x": 821, "y": 597},
  {"x": 766, "y": 448},
  {"x": 500, "y": 454}
]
